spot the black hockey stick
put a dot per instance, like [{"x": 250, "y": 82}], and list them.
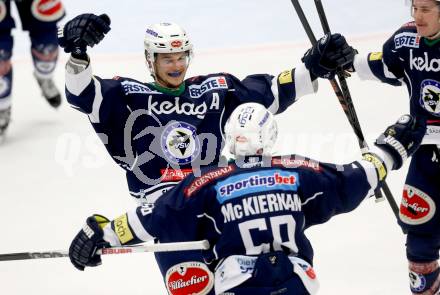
[
  {"x": 344, "y": 100},
  {"x": 352, "y": 117}
]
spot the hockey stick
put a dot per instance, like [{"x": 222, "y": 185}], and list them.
[
  {"x": 352, "y": 117},
  {"x": 165, "y": 247},
  {"x": 344, "y": 99}
]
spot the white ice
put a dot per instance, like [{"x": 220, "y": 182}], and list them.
[{"x": 54, "y": 172}]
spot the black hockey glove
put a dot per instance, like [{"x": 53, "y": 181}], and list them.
[
  {"x": 82, "y": 251},
  {"x": 82, "y": 31},
  {"x": 402, "y": 139},
  {"x": 327, "y": 55}
]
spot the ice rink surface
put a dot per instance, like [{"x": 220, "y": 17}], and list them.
[{"x": 54, "y": 172}]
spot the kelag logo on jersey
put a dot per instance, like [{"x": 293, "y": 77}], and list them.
[
  {"x": 407, "y": 40},
  {"x": 256, "y": 182},
  {"x": 195, "y": 91},
  {"x": 423, "y": 63},
  {"x": 180, "y": 143},
  {"x": 430, "y": 96}
]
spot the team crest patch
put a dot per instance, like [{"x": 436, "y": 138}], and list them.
[
  {"x": 180, "y": 143},
  {"x": 47, "y": 10},
  {"x": 416, "y": 207},
  {"x": 189, "y": 278},
  {"x": 430, "y": 96},
  {"x": 3, "y": 10},
  {"x": 417, "y": 282}
]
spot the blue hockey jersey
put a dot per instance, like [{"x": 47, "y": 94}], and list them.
[
  {"x": 160, "y": 136},
  {"x": 413, "y": 60},
  {"x": 250, "y": 207}
]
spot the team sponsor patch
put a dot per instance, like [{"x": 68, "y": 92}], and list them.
[
  {"x": 135, "y": 87},
  {"x": 180, "y": 143},
  {"x": 206, "y": 178},
  {"x": 416, "y": 207},
  {"x": 174, "y": 174},
  {"x": 430, "y": 96},
  {"x": 256, "y": 182},
  {"x": 3, "y": 10},
  {"x": 295, "y": 163},
  {"x": 423, "y": 63},
  {"x": 285, "y": 77},
  {"x": 407, "y": 39},
  {"x": 122, "y": 229},
  {"x": 47, "y": 10},
  {"x": 189, "y": 278},
  {"x": 213, "y": 83},
  {"x": 375, "y": 56}
]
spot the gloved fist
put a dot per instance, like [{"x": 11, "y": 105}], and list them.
[
  {"x": 82, "y": 31},
  {"x": 402, "y": 139},
  {"x": 82, "y": 251},
  {"x": 327, "y": 55}
]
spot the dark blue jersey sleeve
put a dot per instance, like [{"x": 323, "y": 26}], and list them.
[
  {"x": 336, "y": 189},
  {"x": 276, "y": 93}
]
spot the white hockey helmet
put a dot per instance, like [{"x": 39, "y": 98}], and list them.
[
  {"x": 251, "y": 130},
  {"x": 165, "y": 38}
]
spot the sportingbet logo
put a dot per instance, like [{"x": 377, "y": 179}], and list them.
[
  {"x": 249, "y": 183},
  {"x": 423, "y": 63},
  {"x": 407, "y": 40},
  {"x": 195, "y": 91}
]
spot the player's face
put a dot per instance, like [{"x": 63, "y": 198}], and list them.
[
  {"x": 170, "y": 69},
  {"x": 426, "y": 14}
]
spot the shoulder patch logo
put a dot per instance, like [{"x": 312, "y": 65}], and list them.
[
  {"x": 135, "y": 87},
  {"x": 196, "y": 91},
  {"x": 407, "y": 39},
  {"x": 199, "y": 182}
]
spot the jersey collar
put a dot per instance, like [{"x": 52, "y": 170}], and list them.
[{"x": 175, "y": 92}]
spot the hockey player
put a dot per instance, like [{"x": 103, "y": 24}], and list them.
[
  {"x": 160, "y": 132},
  {"x": 412, "y": 56},
  {"x": 39, "y": 17},
  {"x": 254, "y": 210}
]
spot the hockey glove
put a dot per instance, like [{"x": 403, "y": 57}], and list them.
[
  {"x": 82, "y": 31},
  {"x": 82, "y": 251},
  {"x": 402, "y": 139},
  {"x": 327, "y": 55}
]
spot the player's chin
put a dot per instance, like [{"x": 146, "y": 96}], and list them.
[{"x": 175, "y": 80}]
